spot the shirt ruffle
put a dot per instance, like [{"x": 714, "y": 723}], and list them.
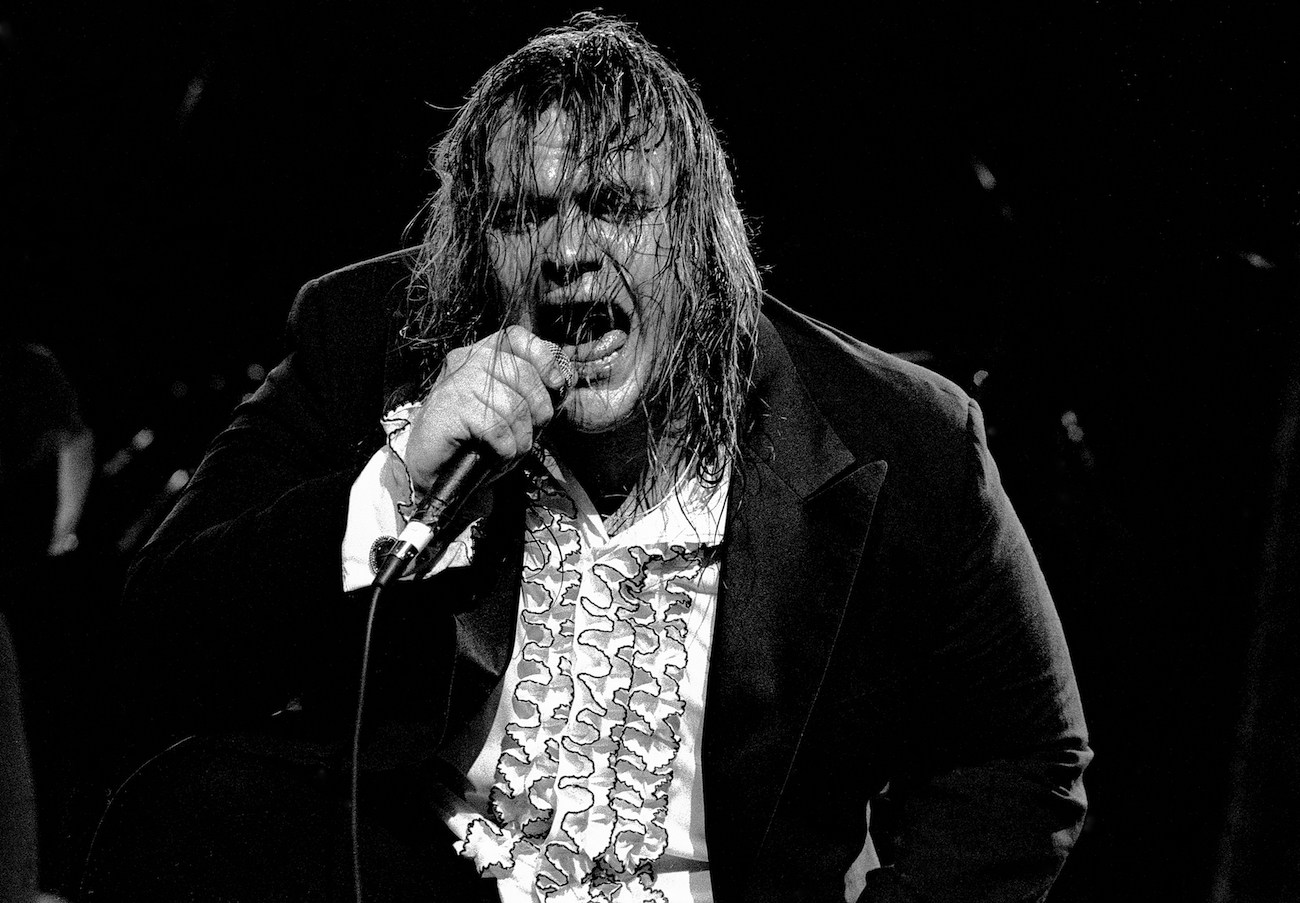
[{"x": 580, "y": 797}]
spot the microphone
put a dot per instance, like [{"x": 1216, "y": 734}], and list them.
[{"x": 458, "y": 479}]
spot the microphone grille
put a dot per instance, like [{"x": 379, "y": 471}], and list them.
[{"x": 566, "y": 367}]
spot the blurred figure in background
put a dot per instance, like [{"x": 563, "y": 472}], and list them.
[
  {"x": 47, "y": 457},
  {"x": 46, "y": 466}
]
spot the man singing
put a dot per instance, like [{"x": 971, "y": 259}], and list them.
[{"x": 734, "y": 574}]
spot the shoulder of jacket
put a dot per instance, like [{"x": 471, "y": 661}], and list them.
[
  {"x": 858, "y": 384},
  {"x": 388, "y": 271}
]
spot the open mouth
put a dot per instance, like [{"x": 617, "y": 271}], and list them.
[{"x": 590, "y": 333}]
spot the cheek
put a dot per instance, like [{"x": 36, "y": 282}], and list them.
[
  {"x": 511, "y": 261},
  {"x": 646, "y": 256}
]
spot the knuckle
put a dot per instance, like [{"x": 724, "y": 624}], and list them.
[{"x": 501, "y": 436}]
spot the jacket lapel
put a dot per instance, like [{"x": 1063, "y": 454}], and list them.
[
  {"x": 485, "y": 628},
  {"x": 798, "y": 515}
]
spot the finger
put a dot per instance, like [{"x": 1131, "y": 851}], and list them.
[
  {"x": 506, "y": 439},
  {"x": 521, "y": 412},
  {"x": 510, "y": 384},
  {"x": 506, "y": 408},
  {"x": 555, "y": 370},
  {"x": 491, "y": 392},
  {"x": 544, "y": 357}
]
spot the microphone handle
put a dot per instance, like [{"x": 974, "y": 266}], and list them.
[{"x": 455, "y": 483}]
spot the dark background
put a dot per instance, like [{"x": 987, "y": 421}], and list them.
[{"x": 1087, "y": 216}]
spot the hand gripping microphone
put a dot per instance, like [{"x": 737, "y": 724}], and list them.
[{"x": 455, "y": 482}]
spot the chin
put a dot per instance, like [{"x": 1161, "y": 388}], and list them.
[
  {"x": 592, "y": 426},
  {"x": 594, "y": 411}
]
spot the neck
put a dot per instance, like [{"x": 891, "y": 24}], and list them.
[{"x": 609, "y": 465}]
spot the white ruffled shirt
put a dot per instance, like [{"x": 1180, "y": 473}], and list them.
[{"x": 586, "y": 785}]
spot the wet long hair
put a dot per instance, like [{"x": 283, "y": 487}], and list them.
[{"x": 618, "y": 94}]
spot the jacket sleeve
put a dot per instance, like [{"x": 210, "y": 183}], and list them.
[
  {"x": 994, "y": 798},
  {"x": 235, "y": 607}
]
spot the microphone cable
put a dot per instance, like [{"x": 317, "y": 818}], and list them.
[
  {"x": 355, "y": 822},
  {"x": 356, "y": 742}
]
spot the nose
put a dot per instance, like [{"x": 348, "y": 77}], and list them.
[{"x": 571, "y": 252}]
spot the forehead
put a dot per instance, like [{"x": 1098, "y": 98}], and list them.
[{"x": 547, "y": 157}]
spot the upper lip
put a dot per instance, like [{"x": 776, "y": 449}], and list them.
[{"x": 583, "y": 291}]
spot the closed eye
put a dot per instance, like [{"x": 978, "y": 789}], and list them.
[
  {"x": 520, "y": 213},
  {"x": 617, "y": 205}
]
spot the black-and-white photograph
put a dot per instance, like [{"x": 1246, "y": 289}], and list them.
[{"x": 676, "y": 452}]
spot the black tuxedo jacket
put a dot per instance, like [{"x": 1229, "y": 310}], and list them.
[{"x": 882, "y": 619}]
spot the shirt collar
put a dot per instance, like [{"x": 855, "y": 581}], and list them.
[{"x": 693, "y": 512}]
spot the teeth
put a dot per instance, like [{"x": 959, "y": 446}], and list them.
[{"x": 587, "y": 370}]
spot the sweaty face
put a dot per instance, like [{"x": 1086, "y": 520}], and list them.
[{"x": 579, "y": 245}]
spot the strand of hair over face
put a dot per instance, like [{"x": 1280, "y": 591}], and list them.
[{"x": 619, "y": 93}]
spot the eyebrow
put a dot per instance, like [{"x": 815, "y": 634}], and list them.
[{"x": 607, "y": 181}]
